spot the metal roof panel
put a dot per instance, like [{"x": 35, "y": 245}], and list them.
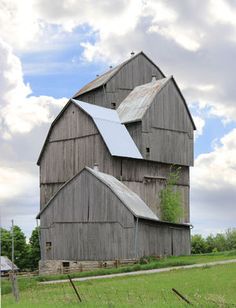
[
  {"x": 138, "y": 101},
  {"x": 114, "y": 134}
]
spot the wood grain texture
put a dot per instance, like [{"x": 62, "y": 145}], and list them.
[{"x": 86, "y": 221}]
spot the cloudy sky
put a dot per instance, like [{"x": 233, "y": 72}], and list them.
[{"x": 50, "y": 49}]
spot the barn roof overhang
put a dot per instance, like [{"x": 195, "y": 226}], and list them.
[
  {"x": 104, "y": 78},
  {"x": 171, "y": 224},
  {"x": 114, "y": 134}
]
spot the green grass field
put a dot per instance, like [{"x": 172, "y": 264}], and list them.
[
  {"x": 116, "y": 292},
  {"x": 204, "y": 287}
]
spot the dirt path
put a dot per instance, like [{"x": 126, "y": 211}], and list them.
[{"x": 144, "y": 272}]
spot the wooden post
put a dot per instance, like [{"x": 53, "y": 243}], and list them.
[
  {"x": 13, "y": 277},
  {"x": 76, "y": 292},
  {"x": 181, "y": 296}
]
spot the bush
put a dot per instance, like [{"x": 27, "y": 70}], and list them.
[
  {"x": 170, "y": 199},
  {"x": 220, "y": 242},
  {"x": 199, "y": 244}
]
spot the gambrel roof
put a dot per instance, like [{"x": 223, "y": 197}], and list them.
[
  {"x": 104, "y": 78},
  {"x": 135, "y": 105},
  {"x": 113, "y": 132},
  {"x": 130, "y": 199}
]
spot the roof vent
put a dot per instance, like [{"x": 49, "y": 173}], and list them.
[
  {"x": 154, "y": 77},
  {"x": 97, "y": 75},
  {"x": 132, "y": 53},
  {"x": 110, "y": 67},
  {"x": 95, "y": 167}
]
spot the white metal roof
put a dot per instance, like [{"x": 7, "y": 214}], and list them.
[
  {"x": 114, "y": 134},
  {"x": 135, "y": 105},
  {"x": 6, "y": 264},
  {"x": 130, "y": 199}
]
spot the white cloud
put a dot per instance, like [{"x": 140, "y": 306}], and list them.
[
  {"x": 200, "y": 123},
  {"x": 18, "y": 22},
  {"x": 217, "y": 169},
  {"x": 16, "y": 182},
  {"x": 19, "y": 112},
  {"x": 221, "y": 11},
  {"x": 213, "y": 182}
]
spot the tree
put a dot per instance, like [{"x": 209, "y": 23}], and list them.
[
  {"x": 231, "y": 239},
  {"x": 34, "y": 249},
  {"x": 5, "y": 242},
  {"x": 198, "y": 244},
  {"x": 20, "y": 246},
  {"x": 170, "y": 199}
]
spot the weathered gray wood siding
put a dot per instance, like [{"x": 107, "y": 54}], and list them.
[
  {"x": 75, "y": 142},
  {"x": 162, "y": 239},
  {"x": 86, "y": 221},
  {"x": 147, "y": 178},
  {"x": 134, "y": 73},
  {"x": 167, "y": 129}
]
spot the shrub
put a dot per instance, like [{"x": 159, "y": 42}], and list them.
[{"x": 170, "y": 199}]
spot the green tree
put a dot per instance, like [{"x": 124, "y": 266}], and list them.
[
  {"x": 231, "y": 239},
  {"x": 170, "y": 198},
  {"x": 5, "y": 242},
  {"x": 34, "y": 249},
  {"x": 20, "y": 246},
  {"x": 199, "y": 244}
]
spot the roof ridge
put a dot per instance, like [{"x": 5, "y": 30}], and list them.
[{"x": 113, "y": 71}]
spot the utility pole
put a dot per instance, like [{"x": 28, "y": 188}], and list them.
[{"x": 13, "y": 277}]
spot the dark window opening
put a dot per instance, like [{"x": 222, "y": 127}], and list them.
[
  {"x": 113, "y": 105},
  {"x": 48, "y": 245},
  {"x": 66, "y": 264},
  {"x": 147, "y": 150}
]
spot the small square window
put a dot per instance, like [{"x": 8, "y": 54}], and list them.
[
  {"x": 113, "y": 105},
  {"x": 66, "y": 264},
  {"x": 147, "y": 150}
]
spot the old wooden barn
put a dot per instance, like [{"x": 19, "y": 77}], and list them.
[{"x": 103, "y": 164}]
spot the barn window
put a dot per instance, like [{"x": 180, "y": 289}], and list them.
[
  {"x": 66, "y": 264},
  {"x": 113, "y": 105},
  {"x": 48, "y": 245},
  {"x": 147, "y": 150}
]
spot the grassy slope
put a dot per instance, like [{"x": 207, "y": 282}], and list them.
[
  {"x": 24, "y": 283},
  {"x": 205, "y": 287}
]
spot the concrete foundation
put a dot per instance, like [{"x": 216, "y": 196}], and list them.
[{"x": 52, "y": 267}]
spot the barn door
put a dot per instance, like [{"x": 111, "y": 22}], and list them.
[
  {"x": 176, "y": 242},
  {"x": 48, "y": 250}
]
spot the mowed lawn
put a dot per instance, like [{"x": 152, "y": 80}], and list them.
[{"x": 205, "y": 287}]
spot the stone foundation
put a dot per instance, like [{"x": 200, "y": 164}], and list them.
[{"x": 51, "y": 267}]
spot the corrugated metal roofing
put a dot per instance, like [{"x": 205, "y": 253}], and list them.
[
  {"x": 130, "y": 199},
  {"x": 6, "y": 264},
  {"x": 135, "y": 105},
  {"x": 114, "y": 134},
  {"x": 104, "y": 78}
]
